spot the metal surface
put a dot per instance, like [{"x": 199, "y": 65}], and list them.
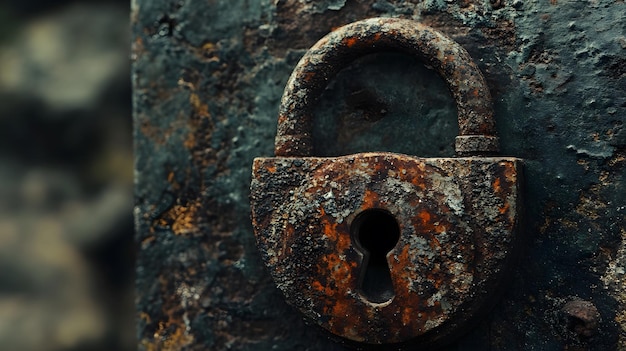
[
  {"x": 208, "y": 77},
  {"x": 336, "y": 50},
  {"x": 457, "y": 219}
]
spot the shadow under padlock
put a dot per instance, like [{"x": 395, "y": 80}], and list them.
[{"x": 381, "y": 248}]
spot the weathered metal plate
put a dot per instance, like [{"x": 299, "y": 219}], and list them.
[{"x": 458, "y": 220}]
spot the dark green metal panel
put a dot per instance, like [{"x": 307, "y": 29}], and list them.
[{"x": 208, "y": 76}]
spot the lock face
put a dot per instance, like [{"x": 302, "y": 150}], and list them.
[
  {"x": 456, "y": 219},
  {"x": 383, "y": 248}
]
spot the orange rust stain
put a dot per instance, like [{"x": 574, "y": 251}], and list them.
[
  {"x": 424, "y": 216},
  {"x": 323, "y": 289},
  {"x": 177, "y": 340},
  {"x": 271, "y": 169},
  {"x": 339, "y": 273},
  {"x": 329, "y": 228},
  {"x": 200, "y": 108},
  {"x": 208, "y": 46},
  {"x": 147, "y": 240},
  {"x": 340, "y": 309},
  {"x": 171, "y": 178},
  {"x": 309, "y": 76},
  {"x": 400, "y": 279},
  {"x": 350, "y": 41},
  {"x": 510, "y": 172},
  {"x": 170, "y": 336},
  {"x": 475, "y": 92},
  {"x": 440, "y": 228},
  {"x": 209, "y": 50},
  {"x": 181, "y": 219},
  {"x": 415, "y": 177},
  {"x": 337, "y": 269},
  {"x": 377, "y": 36},
  {"x": 417, "y": 182},
  {"x": 496, "y": 185},
  {"x": 407, "y": 316},
  {"x": 370, "y": 199},
  {"x": 504, "y": 209}
]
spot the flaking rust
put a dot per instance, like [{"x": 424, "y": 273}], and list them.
[{"x": 457, "y": 218}]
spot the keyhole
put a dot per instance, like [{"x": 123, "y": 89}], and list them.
[{"x": 376, "y": 232}]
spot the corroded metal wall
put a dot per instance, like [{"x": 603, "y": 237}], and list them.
[{"x": 208, "y": 77}]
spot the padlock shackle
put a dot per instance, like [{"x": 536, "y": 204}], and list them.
[{"x": 332, "y": 53}]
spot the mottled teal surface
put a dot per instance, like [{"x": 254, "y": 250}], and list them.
[{"x": 208, "y": 78}]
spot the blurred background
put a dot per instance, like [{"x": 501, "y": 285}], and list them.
[{"x": 66, "y": 229}]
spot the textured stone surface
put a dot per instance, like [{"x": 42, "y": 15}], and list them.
[{"x": 208, "y": 77}]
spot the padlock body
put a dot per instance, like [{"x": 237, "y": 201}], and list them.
[{"x": 458, "y": 223}]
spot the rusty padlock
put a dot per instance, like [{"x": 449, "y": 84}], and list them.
[{"x": 384, "y": 248}]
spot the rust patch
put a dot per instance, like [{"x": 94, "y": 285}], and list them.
[
  {"x": 147, "y": 241},
  {"x": 496, "y": 185},
  {"x": 448, "y": 212},
  {"x": 181, "y": 219},
  {"x": 164, "y": 340},
  {"x": 370, "y": 199},
  {"x": 200, "y": 108},
  {"x": 350, "y": 42}
]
